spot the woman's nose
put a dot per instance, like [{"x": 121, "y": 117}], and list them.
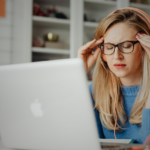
[{"x": 117, "y": 53}]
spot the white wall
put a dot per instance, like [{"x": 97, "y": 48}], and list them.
[{"x": 6, "y": 35}]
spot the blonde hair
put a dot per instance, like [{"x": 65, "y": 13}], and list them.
[{"x": 102, "y": 84}]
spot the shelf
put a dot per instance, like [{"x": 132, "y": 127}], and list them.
[
  {"x": 98, "y": 9},
  {"x": 91, "y": 24},
  {"x": 107, "y": 2},
  {"x": 50, "y": 20},
  {"x": 141, "y": 6},
  {"x": 65, "y": 3},
  {"x": 50, "y": 50}
]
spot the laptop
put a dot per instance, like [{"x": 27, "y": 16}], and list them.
[{"x": 47, "y": 105}]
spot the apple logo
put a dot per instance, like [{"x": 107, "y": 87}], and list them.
[{"x": 36, "y": 108}]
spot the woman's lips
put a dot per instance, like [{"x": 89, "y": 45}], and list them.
[{"x": 119, "y": 66}]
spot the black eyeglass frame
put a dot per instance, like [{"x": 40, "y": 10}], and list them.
[{"x": 117, "y": 45}]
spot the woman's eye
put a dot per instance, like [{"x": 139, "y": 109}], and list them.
[
  {"x": 127, "y": 46},
  {"x": 109, "y": 48}
]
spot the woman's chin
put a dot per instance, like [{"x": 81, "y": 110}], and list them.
[{"x": 120, "y": 74}]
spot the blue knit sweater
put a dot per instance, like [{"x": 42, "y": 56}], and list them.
[{"x": 136, "y": 132}]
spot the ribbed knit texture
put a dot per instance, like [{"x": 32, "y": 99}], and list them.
[{"x": 136, "y": 132}]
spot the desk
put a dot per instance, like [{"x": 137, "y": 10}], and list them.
[{"x": 3, "y": 148}]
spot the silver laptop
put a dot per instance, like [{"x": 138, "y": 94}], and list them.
[{"x": 47, "y": 105}]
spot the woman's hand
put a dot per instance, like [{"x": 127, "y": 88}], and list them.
[
  {"x": 145, "y": 43},
  {"x": 85, "y": 53},
  {"x": 144, "y": 40}
]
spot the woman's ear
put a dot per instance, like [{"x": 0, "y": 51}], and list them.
[{"x": 104, "y": 57}]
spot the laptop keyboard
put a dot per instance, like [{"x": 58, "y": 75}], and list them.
[{"x": 115, "y": 146}]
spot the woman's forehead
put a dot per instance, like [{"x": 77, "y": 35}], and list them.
[{"x": 119, "y": 32}]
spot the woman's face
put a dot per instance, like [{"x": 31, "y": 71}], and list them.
[{"x": 130, "y": 74}]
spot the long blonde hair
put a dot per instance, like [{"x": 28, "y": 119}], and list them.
[{"x": 102, "y": 84}]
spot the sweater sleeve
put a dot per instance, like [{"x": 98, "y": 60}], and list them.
[
  {"x": 96, "y": 112},
  {"x": 145, "y": 128}
]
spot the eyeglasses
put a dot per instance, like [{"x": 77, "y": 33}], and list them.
[{"x": 124, "y": 47}]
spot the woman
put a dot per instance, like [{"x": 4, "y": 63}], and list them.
[{"x": 121, "y": 85}]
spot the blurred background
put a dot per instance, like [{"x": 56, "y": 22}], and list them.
[{"x": 40, "y": 30}]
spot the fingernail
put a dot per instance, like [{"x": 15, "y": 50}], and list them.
[
  {"x": 141, "y": 32},
  {"x": 137, "y": 36}
]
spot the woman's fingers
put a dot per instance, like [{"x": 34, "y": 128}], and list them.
[
  {"x": 145, "y": 36},
  {"x": 147, "y": 49},
  {"x": 85, "y": 53},
  {"x": 96, "y": 53},
  {"x": 87, "y": 45},
  {"x": 97, "y": 42},
  {"x": 88, "y": 48},
  {"x": 145, "y": 42},
  {"x": 144, "y": 39}
]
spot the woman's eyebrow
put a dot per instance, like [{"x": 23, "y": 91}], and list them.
[
  {"x": 108, "y": 43},
  {"x": 117, "y": 43}
]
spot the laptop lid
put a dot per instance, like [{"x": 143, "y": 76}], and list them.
[{"x": 47, "y": 105}]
